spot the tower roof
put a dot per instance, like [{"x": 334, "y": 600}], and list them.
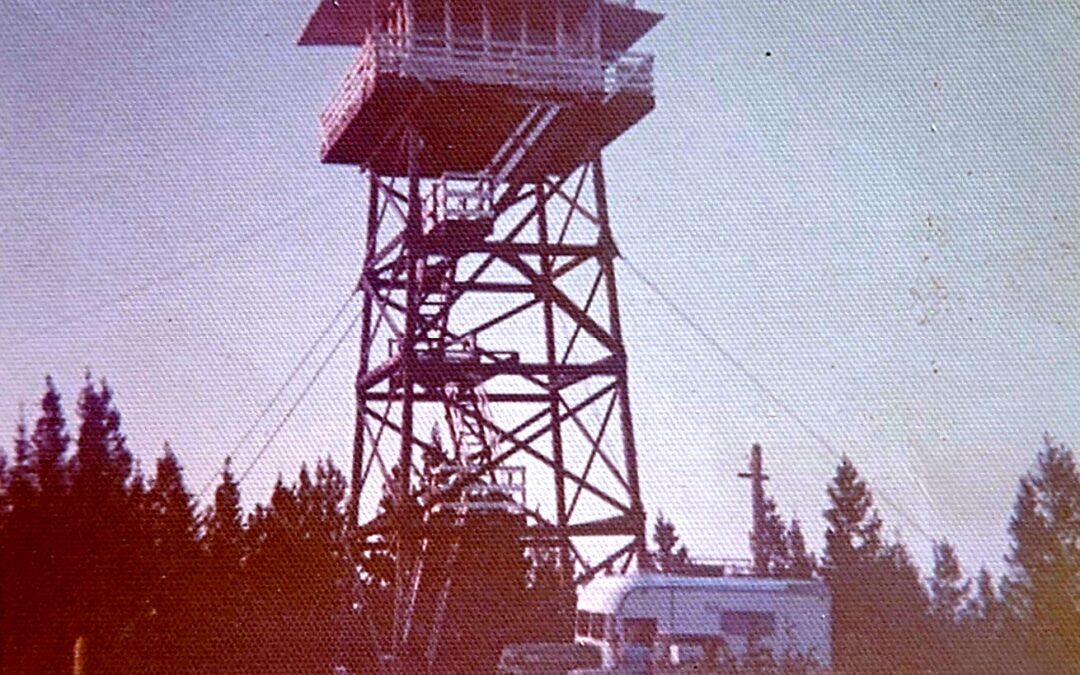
[{"x": 346, "y": 22}]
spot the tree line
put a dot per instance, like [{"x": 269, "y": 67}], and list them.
[{"x": 108, "y": 567}]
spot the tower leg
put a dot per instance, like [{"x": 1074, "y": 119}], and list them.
[
  {"x": 356, "y": 485},
  {"x": 607, "y": 264},
  {"x": 405, "y": 543}
]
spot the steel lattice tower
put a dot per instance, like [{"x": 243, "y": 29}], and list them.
[{"x": 490, "y": 329}]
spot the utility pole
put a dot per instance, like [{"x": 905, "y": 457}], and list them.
[{"x": 757, "y": 478}]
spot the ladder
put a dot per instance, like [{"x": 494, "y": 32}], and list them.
[
  {"x": 466, "y": 411},
  {"x": 435, "y": 301},
  {"x": 444, "y": 591}
]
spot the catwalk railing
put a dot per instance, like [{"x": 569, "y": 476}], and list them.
[{"x": 536, "y": 68}]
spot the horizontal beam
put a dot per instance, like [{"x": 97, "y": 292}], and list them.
[
  {"x": 617, "y": 526},
  {"x": 505, "y": 248},
  {"x": 366, "y": 381},
  {"x": 562, "y": 374},
  {"x": 399, "y": 284},
  {"x": 428, "y": 397}
]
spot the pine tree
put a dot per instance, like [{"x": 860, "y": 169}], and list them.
[
  {"x": 986, "y": 604},
  {"x": 36, "y": 575},
  {"x": 169, "y": 561},
  {"x": 5, "y": 488},
  {"x": 801, "y": 563},
  {"x": 948, "y": 589},
  {"x": 949, "y": 594},
  {"x": 219, "y": 625},
  {"x": 989, "y": 642},
  {"x": 51, "y": 443},
  {"x": 879, "y": 606},
  {"x": 1044, "y": 588},
  {"x": 18, "y": 624},
  {"x": 224, "y": 520},
  {"x": 297, "y": 574},
  {"x": 22, "y": 480},
  {"x": 103, "y": 551},
  {"x": 667, "y": 558},
  {"x": 770, "y": 546},
  {"x": 854, "y": 532},
  {"x": 103, "y": 462}
]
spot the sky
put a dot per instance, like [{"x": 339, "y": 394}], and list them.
[{"x": 870, "y": 207}]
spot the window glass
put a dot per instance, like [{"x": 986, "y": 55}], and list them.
[
  {"x": 596, "y": 627},
  {"x": 639, "y": 631},
  {"x": 748, "y": 624}
]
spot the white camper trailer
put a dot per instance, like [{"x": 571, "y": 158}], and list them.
[{"x": 676, "y": 622}]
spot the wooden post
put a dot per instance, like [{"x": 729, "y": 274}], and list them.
[
  {"x": 757, "y": 478},
  {"x": 448, "y": 25},
  {"x": 559, "y": 27},
  {"x": 524, "y": 25},
  {"x": 485, "y": 25},
  {"x": 408, "y": 17},
  {"x": 78, "y": 664},
  {"x": 597, "y": 28}
]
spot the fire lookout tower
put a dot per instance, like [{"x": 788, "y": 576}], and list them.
[{"x": 490, "y": 333}]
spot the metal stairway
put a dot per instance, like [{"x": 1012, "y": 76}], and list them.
[{"x": 519, "y": 143}]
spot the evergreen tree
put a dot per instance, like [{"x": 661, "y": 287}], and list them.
[
  {"x": 770, "y": 546},
  {"x": 19, "y": 626},
  {"x": 106, "y": 594},
  {"x": 169, "y": 561},
  {"x": 667, "y": 558},
  {"x": 801, "y": 562},
  {"x": 5, "y": 489},
  {"x": 225, "y": 598},
  {"x": 21, "y": 480},
  {"x": 988, "y": 643},
  {"x": 879, "y": 606},
  {"x": 36, "y": 576},
  {"x": 854, "y": 532},
  {"x": 949, "y": 592},
  {"x": 51, "y": 443},
  {"x": 779, "y": 550},
  {"x": 1044, "y": 588},
  {"x": 985, "y": 605},
  {"x": 224, "y": 520},
  {"x": 103, "y": 462},
  {"x": 948, "y": 589},
  {"x": 296, "y": 575}
]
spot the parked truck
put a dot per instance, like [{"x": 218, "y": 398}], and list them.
[{"x": 651, "y": 622}]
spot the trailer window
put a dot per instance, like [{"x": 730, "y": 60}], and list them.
[
  {"x": 748, "y": 624},
  {"x": 640, "y": 631},
  {"x": 598, "y": 626}
]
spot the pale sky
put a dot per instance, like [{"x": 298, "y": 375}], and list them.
[{"x": 872, "y": 206}]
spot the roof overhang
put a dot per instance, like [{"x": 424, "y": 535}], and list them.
[
  {"x": 622, "y": 26},
  {"x": 339, "y": 23},
  {"x": 343, "y": 23}
]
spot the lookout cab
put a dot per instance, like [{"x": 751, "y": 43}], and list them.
[{"x": 486, "y": 82}]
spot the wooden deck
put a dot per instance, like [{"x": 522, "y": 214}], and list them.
[{"x": 467, "y": 99}]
